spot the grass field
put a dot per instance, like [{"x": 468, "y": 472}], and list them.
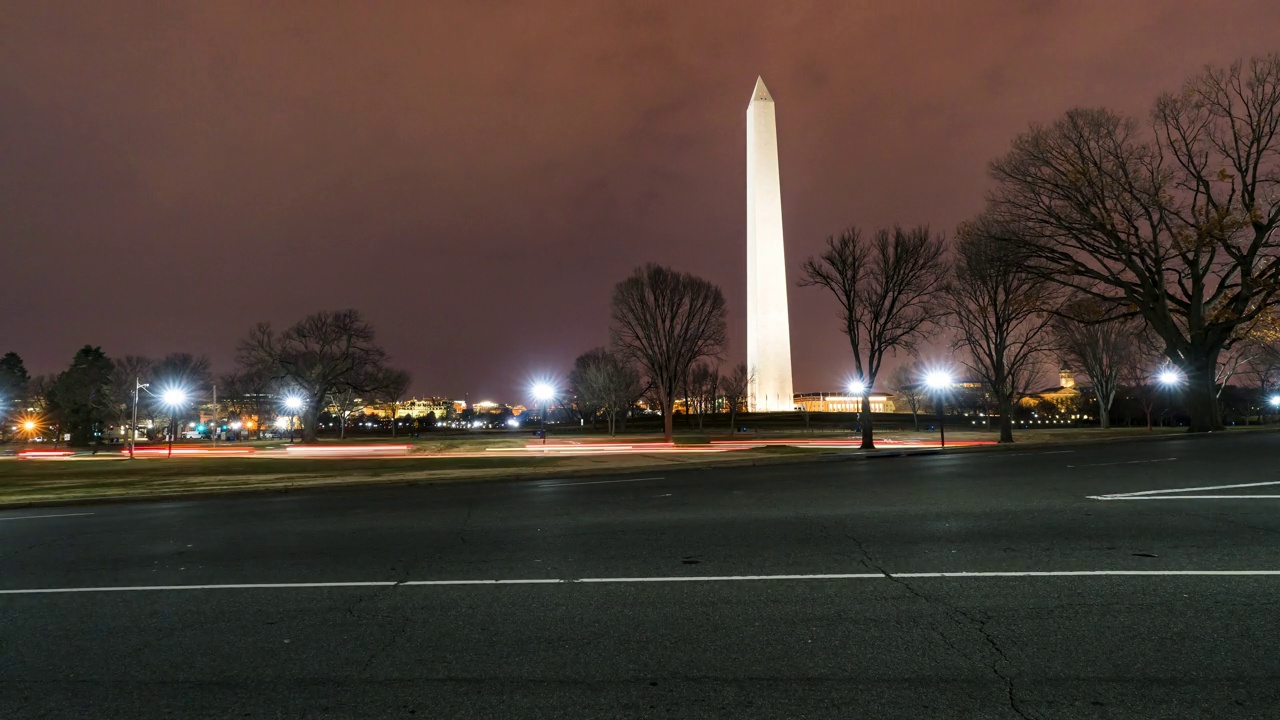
[{"x": 110, "y": 475}]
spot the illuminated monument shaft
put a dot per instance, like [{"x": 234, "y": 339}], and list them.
[{"x": 768, "y": 327}]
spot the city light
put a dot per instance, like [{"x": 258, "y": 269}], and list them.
[
  {"x": 293, "y": 403},
  {"x": 938, "y": 379},
  {"x": 173, "y": 397},
  {"x": 1275, "y": 400},
  {"x": 1169, "y": 377},
  {"x": 543, "y": 392},
  {"x": 30, "y": 425},
  {"x": 857, "y": 387},
  {"x": 282, "y": 423}
]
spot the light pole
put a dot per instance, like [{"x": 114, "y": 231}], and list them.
[
  {"x": 1169, "y": 378},
  {"x": 544, "y": 393},
  {"x": 294, "y": 404},
  {"x": 939, "y": 381},
  {"x": 133, "y": 429},
  {"x": 173, "y": 398}
]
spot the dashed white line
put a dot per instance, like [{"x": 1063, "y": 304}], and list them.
[
  {"x": 660, "y": 579},
  {"x": 1124, "y": 462},
  {"x": 600, "y": 482},
  {"x": 41, "y": 517}
]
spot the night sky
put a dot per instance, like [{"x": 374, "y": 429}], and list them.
[{"x": 475, "y": 176}]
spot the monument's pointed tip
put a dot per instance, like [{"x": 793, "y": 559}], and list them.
[{"x": 761, "y": 93}]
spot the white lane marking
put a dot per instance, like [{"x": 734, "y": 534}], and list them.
[
  {"x": 1186, "y": 497},
  {"x": 41, "y": 517},
  {"x": 671, "y": 579},
  {"x": 1168, "y": 494},
  {"x": 1194, "y": 489},
  {"x": 1057, "y": 452},
  {"x": 600, "y": 482},
  {"x": 1124, "y": 462},
  {"x": 733, "y": 578}
]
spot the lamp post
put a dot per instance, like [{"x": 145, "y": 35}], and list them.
[
  {"x": 939, "y": 381},
  {"x": 294, "y": 404},
  {"x": 544, "y": 393},
  {"x": 133, "y": 429},
  {"x": 1169, "y": 378},
  {"x": 173, "y": 399}
]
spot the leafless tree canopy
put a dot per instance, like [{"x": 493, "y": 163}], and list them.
[
  {"x": 1001, "y": 311},
  {"x": 735, "y": 386},
  {"x": 666, "y": 321},
  {"x": 1177, "y": 225},
  {"x": 322, "y": 353},
  {"x": 703, "y": 390},
  {"x": 888, "y": 289},
  {"x": 608, "y": 382},
  {"x": 1099, "y": 349},
  {"x": 907, "y": 385}
]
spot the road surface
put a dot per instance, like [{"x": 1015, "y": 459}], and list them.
[{"x": 1105, "y": 581}]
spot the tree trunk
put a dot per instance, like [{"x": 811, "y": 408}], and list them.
[
  {"x": 915, "y": 418},
  {"x": 1104, "y": 413},
  {"x": 1202, "y": 397},
  {"x": 342, "y": 426},
  {"x": 868, "y": 442},
  {"x": 393, "y": 420},
  {"x": 668, "y": 408},
  {"x": 1006, "y": 420},
  {"x": 310, "y": 420}
]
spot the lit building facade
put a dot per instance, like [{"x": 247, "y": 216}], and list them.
[{"x": 843, "y": 402}]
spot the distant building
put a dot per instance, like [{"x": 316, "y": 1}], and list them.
[
  {"x": 843, "y": 402},
  {"x": 438, "y": 407},
  {"x": 1065, "y": 395}
]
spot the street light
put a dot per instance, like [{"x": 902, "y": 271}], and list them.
[
  {"x": 544, "y": 393},
  {"x": 1169, "y": 378},
  {"x": 939, "y": 381},
  {"x": 173, "y": 398},
  {"x": 294, "y": 404}
]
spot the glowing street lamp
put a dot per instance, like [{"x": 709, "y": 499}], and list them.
[
  {"x": 939, "y": 381},
  {"x": 544, "y": 393},
  {"x": 293, "y": 403},
  {"x": 857, "y": 388},
  {"x": 1169, "y": 378},
  {"x": 174, "y": 399}
]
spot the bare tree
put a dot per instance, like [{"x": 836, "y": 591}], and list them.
[
  {"x": 888, "y": 290},
  {"x": 322, "y": 353},
  {"x": 666, "y": 321},
  {"x": 1101, "y": 350},
  {"x": 907, "y": 384},
  {"x": 344, "y": 401},
  {"x": 390, "y": 386},
  {"x": 250, "y": 393},
  {"x": 1000, "y": 314},
  {"x": 704, "y": 389},
  {"x": 587, "y": 397},
  {"x": 1178, "y": 228},
  {"x": 735, "y": 386}
]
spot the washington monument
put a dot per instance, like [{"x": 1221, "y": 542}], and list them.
[{"x": 768, "y": 327}]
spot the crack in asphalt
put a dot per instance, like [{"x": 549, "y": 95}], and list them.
[{"x": 969, "y": 620}]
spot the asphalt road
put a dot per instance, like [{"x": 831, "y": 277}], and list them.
[{"x": 606, "y": 623}]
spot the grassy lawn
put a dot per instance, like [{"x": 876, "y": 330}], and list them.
[{"x": 27, "y": 481}]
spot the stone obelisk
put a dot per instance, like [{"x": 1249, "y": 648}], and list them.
[{"x": 768, "y": 326}]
